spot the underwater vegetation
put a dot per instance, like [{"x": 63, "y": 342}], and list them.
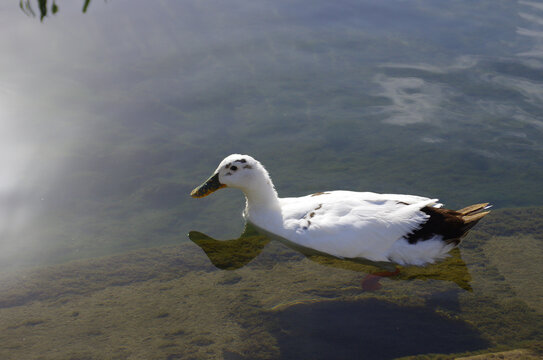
[{"x": 259, "y": 299}]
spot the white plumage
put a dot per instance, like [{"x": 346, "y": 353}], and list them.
[{"x": 344, "y": 224}]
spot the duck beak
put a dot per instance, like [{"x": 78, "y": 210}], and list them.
[{"x": 210, "y": 185}]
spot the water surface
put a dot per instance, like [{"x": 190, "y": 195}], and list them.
[{"x": 110, "y": 116}]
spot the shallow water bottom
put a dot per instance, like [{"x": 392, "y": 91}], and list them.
[{"x": 172, "y": 303}]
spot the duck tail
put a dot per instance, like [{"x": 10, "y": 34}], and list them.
[
  {"x": 474, "y": 208},
  {"x": 451, "y": 225},
  {"x": 471, "y": 215}
]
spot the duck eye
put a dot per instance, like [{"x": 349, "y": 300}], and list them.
[{"x": 233, "y": 167}]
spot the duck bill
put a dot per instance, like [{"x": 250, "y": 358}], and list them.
[{"x": 210, "y": 185}]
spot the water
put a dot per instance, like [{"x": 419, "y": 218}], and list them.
[{"x": 109, "y": 117}]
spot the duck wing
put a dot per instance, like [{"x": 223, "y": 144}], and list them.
[{"x": 353, "y": 224}]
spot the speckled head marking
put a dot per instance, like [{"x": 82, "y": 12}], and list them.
[{"x": 234, "y": 167}]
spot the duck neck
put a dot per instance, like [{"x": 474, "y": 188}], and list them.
[{"x": 262, "y": 204}]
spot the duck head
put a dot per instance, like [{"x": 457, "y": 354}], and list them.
[{"x": 236, "y": 171}]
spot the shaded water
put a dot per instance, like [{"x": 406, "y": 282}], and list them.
[
  {"x": 347, "y": 330},
  {"x": 109, "y": 117}
]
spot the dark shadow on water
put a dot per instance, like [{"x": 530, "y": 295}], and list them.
[
  {"x": 444, "y": 300},
  {"x": 369, "y": 329},
  {"x": 237, "y": 253}
]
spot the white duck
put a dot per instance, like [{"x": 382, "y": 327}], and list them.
[{"x": 403, "y": 229}]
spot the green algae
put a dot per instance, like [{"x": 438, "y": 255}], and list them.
[
  {"x": 173, "y": 302},
  {"x": 519, "y": 354},
  {"x": 519, "y": 267}
]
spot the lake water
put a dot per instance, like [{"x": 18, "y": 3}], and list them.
[{"x": 109, "y": 117}]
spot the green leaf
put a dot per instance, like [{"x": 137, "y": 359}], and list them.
[{"x": 86, "y": 5}]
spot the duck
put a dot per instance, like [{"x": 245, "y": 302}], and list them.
[{"x": 386, "y": 228}]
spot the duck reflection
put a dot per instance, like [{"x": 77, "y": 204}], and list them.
[
  {"x": 236, "y": 253},
  {"x": 232, "y": 254}
]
